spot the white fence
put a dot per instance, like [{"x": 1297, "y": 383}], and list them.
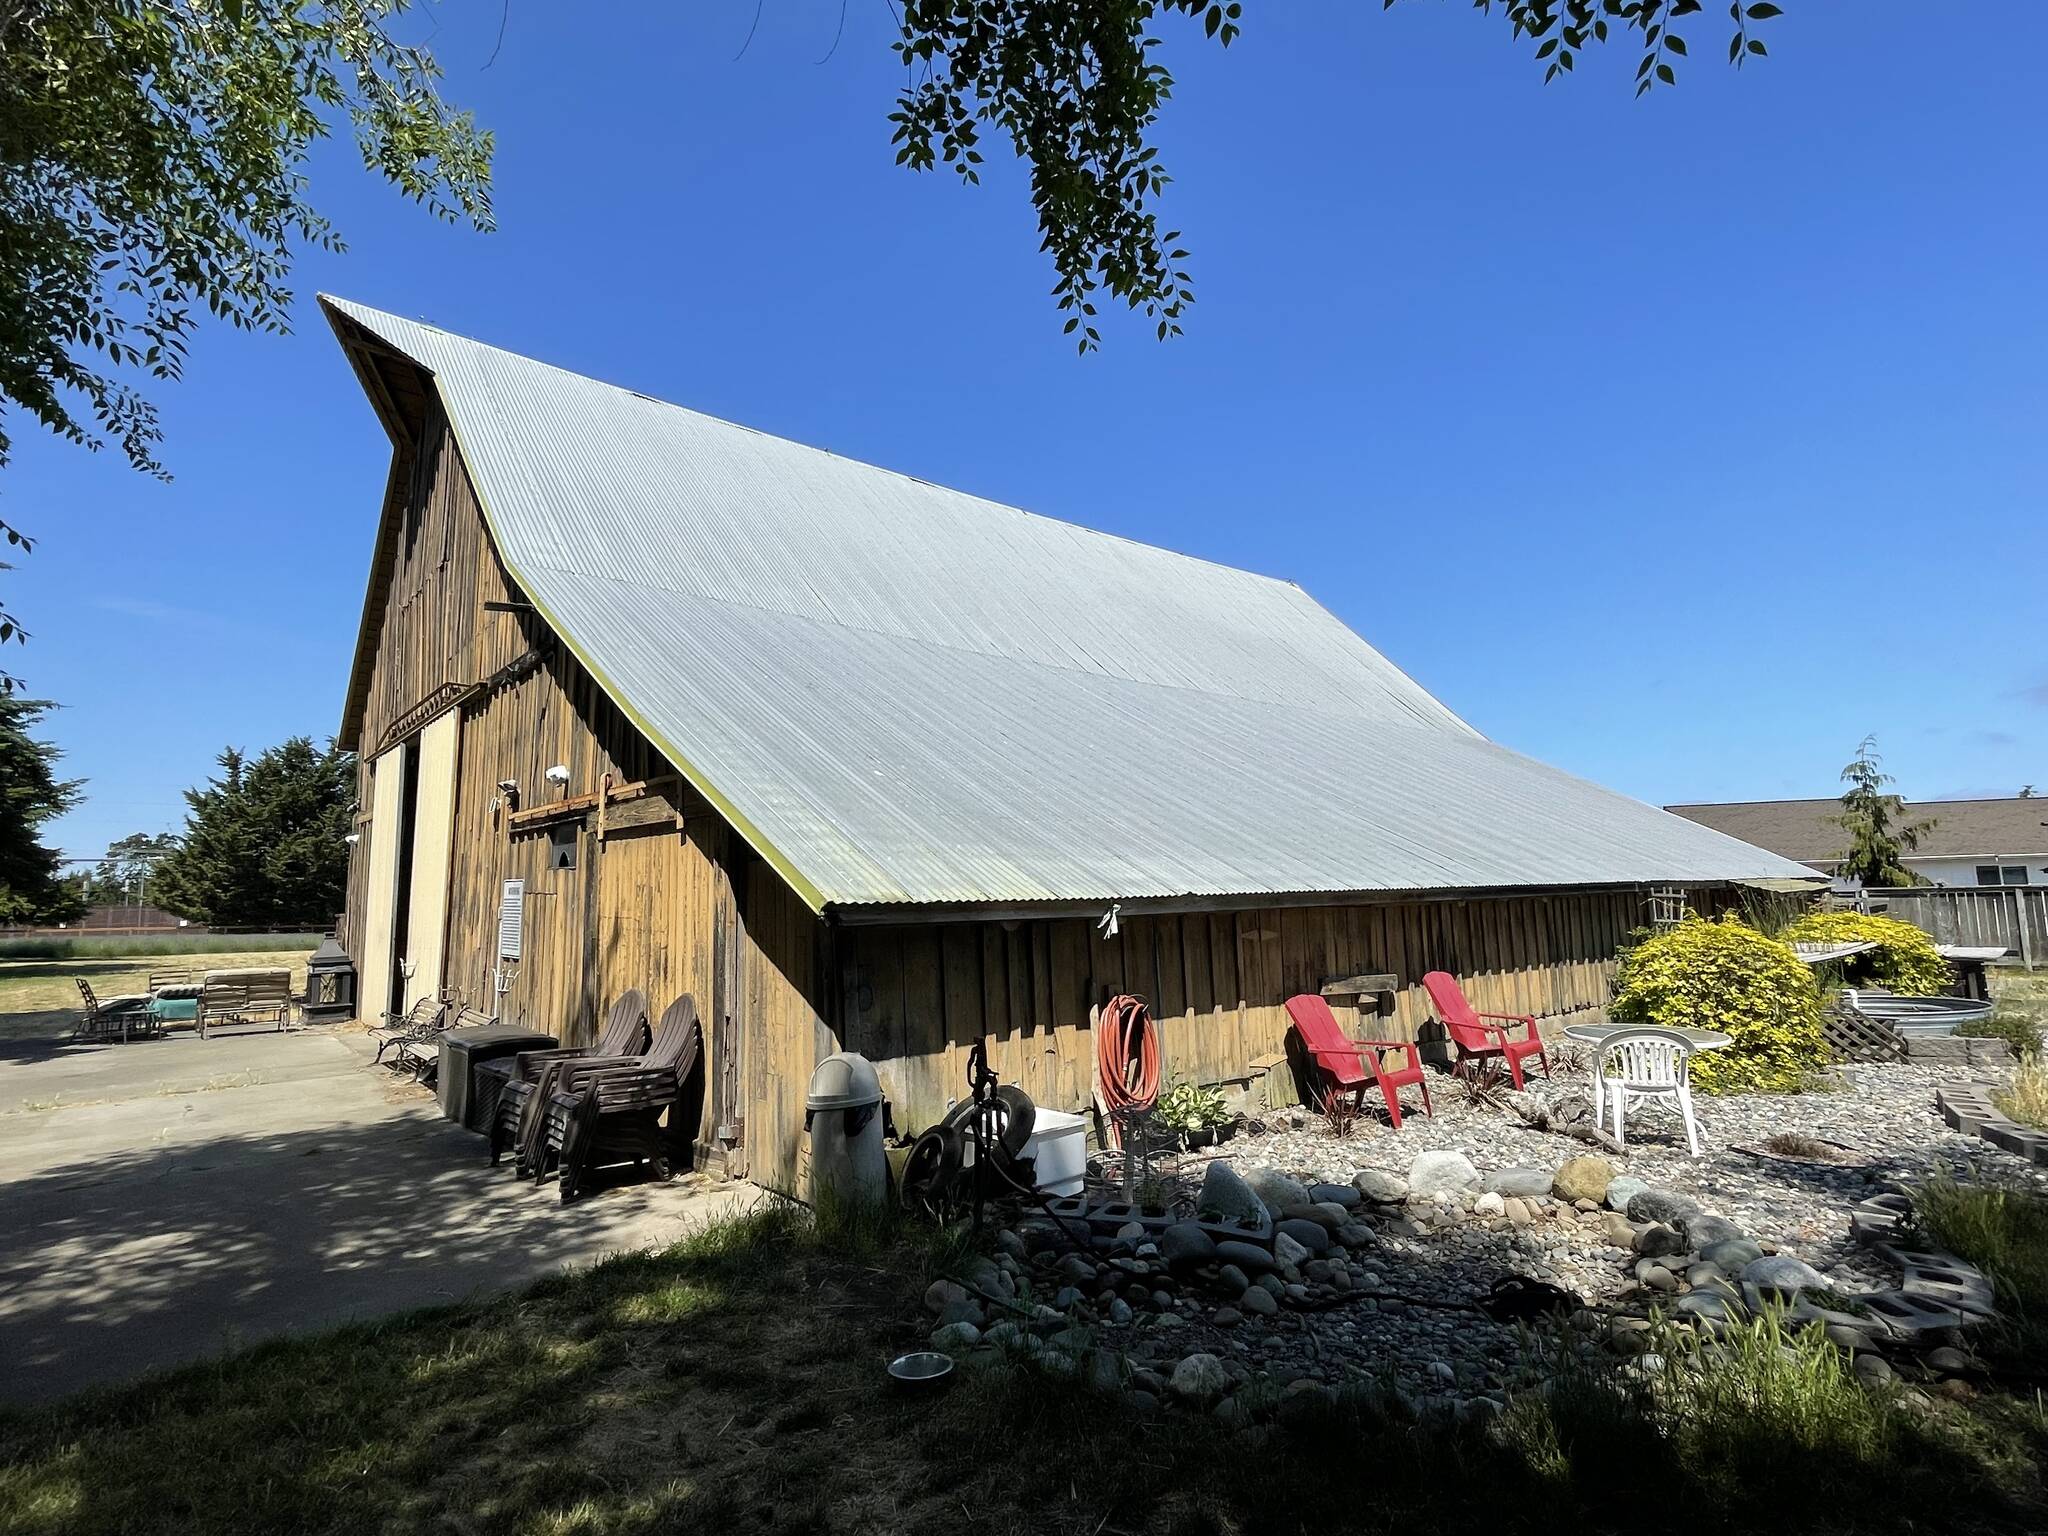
[{"x": 2013, "y": 918}]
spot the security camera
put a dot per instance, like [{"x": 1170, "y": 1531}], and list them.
[{"x": 559, "y": 774}]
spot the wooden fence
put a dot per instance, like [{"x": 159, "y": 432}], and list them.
[{"x": 2013, "y": 918}]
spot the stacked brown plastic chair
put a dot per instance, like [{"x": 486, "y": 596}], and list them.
[
  {"x": 602, "y": 1113},
  {"x": 516, "y": 1123}
]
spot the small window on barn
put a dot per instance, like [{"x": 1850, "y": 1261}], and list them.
[
  {"x": 562, "y": 845},
  {"x": 511, "y": 919}
]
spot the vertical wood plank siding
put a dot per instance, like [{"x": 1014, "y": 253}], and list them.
[
  {"x": 693, "y": 909},
  {"x": 918, "y": 997}
]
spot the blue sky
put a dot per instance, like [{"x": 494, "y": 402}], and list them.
[{"x": 1679, "y": 442}]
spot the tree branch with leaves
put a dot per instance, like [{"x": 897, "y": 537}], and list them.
[{"x": 151, "y": 173}]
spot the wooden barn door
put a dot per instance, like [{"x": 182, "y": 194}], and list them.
[
  {"x": 378, "y": 961},
  {"x": 433, "y": 837}
]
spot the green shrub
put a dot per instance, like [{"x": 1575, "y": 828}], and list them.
[
  {"x": 1727, "y": 976},
  {"x": 1905, "y": 960},
  {"x": 2016, "y": 1029}
]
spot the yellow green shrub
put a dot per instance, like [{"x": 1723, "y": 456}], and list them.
[
  {"x": 1905, "y": 959},
  {"x": 1727, "y": 976}
]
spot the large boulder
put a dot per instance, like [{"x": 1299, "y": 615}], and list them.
[
  {"x": 1582, "y": 1178},
  {"x": 1441, "y": 1173},
  {"x": 1184, "y": 1243},
  {"x": 1379, "y": 1186},
  {"x": 1275, "y": 1189},
  {"x": 1227, "y": 1197},
  {"x": 1521, "y": 1182}
]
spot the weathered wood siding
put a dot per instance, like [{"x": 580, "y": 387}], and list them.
[
  {"x": 917, "y": 998},
  {"x": 653, "y": 905}
]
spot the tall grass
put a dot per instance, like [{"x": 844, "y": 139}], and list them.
[
  {"x": 2025, "y": 1099},
  {"x": 2002, "y": 1231},
  {"x": 118, "y": 947}
]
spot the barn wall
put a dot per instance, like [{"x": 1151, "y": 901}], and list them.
[
  {"x": 917, "y": 998},
  {"x": 661, "y": 904}
]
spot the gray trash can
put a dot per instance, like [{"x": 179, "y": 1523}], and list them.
[{"x": 843, "y": 1114}]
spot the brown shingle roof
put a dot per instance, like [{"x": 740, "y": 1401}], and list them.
[{"x": 1805, "y": 830}]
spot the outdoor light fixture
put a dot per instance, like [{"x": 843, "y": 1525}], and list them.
[
  {"x": 559, "y": 774},
  {"x": 353, "y": 838}
]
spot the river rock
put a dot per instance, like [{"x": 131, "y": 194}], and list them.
[
  {"x": 1582, "y": 1178},
  {"x": 1226, "y": 1196},
  {"x": 1489, "y": 1203},
  {"x": 1275, "y": 1189},
  {"x": 1184, "y": 1243},
  {"x": 1334, "y": 1194},
  {"x": 1731, "y": 1254},
  {"x": 1662, "y": 1205},
  {"x": 954, "y": 1336},
  {"x": 1702, "y": 1230},
  {"x": 941, "y": 1294},
  {"x": 1782, "y": 1273},
  {"x": 1199, "y": 1377},
  {"x": 1379, "y": 1186},
  {"x": 1259, "y": 1300},
  {"x": 1249, "y": 1257},
  {"x": 1524, "y": 1182},
  {"x": 1441, "y": 1173},
  {"x": 1623, "y": 1188},
  {"x": 1657, "y": 1241},
  {"x": 1312, "y": 1235},
  {"x": 1288, "y": 1250}
]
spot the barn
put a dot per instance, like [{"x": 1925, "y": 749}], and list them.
[{"x": 645, "y": 698}]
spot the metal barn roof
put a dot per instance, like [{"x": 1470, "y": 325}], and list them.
[{"x": 905, "y": 695}]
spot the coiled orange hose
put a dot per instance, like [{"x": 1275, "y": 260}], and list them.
[{"x": 1126, "y": 1060}]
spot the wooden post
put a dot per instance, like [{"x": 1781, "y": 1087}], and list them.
[{"x": 2019, "y": 912}]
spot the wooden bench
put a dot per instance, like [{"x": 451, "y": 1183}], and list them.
[{"x": 244, "y": 996}]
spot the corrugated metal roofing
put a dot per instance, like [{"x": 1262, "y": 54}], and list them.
[{"x": 905, "y": 694}]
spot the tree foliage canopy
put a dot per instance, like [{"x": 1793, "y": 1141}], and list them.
[
  {"x": 1077, "y": 90},
  {"x": 1880, "y": 836},
  {"x": 31, "y": 794},
  {"x": 264, "y": 842},
  {"x": 150, "y": 172}
]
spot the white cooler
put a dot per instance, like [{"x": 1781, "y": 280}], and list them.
[{"x": 1059, "y": 1143}]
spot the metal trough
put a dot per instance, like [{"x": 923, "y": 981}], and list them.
[{"x": 1918, "y": 1016}]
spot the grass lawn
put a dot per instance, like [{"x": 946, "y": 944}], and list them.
[
  {"x": 733, "y": 1384},
  {"x": 39, "y": 998}
]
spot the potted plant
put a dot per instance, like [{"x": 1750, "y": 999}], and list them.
[{"x": 1193, "y": 1113}]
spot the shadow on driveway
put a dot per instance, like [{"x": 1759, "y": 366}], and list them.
[{"x": 269, "y": 1187}]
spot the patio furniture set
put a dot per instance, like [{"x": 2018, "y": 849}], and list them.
[
  {"x": 241, "y": 996},
  {"x": 570, "y": 1111},
  {"x": 1632, "y": 1063}
]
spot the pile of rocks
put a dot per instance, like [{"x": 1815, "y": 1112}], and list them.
[{"x": 1280, "y": 1285}]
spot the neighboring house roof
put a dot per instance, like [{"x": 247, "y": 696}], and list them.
[
  {"x": 901, "y": 694},
  {"x": 1805, "y": 829}
]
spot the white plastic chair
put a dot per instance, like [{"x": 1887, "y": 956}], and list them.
[{"x": 1644, "y": 1064}]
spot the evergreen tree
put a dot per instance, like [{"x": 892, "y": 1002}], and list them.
[
  {"x": 1879, "y": 835},
  {"x": 129, "y": 868},
  {"x": 264, "y": 842},
  {"x": 31, "y": 794}
]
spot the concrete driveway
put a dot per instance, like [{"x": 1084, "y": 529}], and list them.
[{"x": 167, "y": 1200}]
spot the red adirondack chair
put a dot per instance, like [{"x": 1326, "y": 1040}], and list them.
[
  {"x": 1355, "y": 1064},
  {"x": 1477, "y": 1039}
]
